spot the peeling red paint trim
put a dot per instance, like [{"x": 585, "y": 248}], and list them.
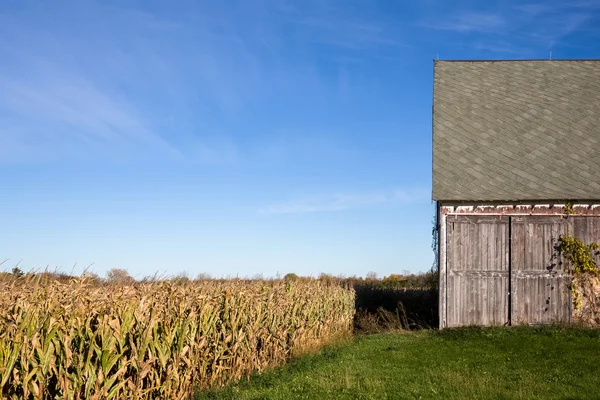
[{"x": 523, "y": 209}]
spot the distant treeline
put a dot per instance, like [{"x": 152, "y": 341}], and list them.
[{"x": 425, "y": 280}]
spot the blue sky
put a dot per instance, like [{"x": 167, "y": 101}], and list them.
[{"x": 239, "y": 137}]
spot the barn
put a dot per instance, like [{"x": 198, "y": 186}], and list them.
[{"x": 516, "y": 164}]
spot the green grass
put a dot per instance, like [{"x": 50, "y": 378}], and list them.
[{"x": 466, "y": 363}]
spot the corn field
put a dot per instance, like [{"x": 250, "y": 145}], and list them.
[{"x": 78, "y": 340}]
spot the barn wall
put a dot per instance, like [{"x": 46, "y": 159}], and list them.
[{"x": 475, "y": 284}]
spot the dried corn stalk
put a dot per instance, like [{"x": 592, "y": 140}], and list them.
[{"x": 79, "y": 340}]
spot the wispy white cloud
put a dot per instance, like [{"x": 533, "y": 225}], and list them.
[
  {"x": 51, "y": 108},
  {"x": 500, "y": 47},
  {"x": 353, "y": 34},
  {"x": 540, "y": 8},
  {"x": 534, "y": 9},
  {"x": 470, "y": 21},
  {"x": 137, "y": 83},
  {"x": 72, "y": 117},
  {"x": 342, "y": 201},
  {"x": 353, "y": 27},
  {"x": 557, "y": 26},
  {"x": 550, "y": 22},
  {"x": 109, "y": 93},
  {"x": 516, "y": 29}
]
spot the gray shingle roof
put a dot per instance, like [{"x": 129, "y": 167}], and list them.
[{"x": 516, "y": 130}]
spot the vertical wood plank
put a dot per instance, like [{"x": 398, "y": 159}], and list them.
[{"x": 442, "y": 282}]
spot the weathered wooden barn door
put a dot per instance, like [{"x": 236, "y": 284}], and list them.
[
  {"x": 477, "y": 270},
  {"x": 539, "y": 286}
]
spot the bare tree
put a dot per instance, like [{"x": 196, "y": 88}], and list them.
[
  {"x": 118, "y": 275},
  {"x": 203, "y": 276},
  {"x": 371, "y": 276}
]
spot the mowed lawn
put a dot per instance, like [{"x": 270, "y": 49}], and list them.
[{"x": 466, "y": 363}]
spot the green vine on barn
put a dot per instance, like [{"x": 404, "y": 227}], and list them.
[
  {"x": 569, "y": 209},
  {"x": 579, "y": 259},
  {"x": 579, "y": 256}
]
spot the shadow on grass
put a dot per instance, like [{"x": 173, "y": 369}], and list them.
[{"x": 380, "y": 308}]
